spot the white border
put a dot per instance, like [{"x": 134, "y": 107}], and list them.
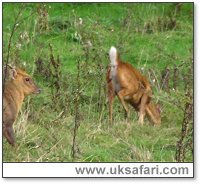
[{"x": 118, "y": 170}]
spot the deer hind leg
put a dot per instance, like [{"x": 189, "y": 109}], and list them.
[
  {"x": 122, "y": 95},
  {"x": 111, "y": 96},
  {"x": 9, "y": 133}
]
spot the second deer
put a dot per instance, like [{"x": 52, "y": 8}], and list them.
[{"x": 130, "y": 86}]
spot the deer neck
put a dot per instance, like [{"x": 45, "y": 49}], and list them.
[{"x": 16, "y": 94}]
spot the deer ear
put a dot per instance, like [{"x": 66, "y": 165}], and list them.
[
  {"x": 9, "y": 72},
  {"x": 13, "y": 73}
]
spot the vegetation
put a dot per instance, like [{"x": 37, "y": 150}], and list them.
[{"x": 64, "y": 47}]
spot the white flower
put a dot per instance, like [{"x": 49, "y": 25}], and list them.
[
  {"x": 80, "y": 21},
  {"x": 25, "y": 37},
  {"x": 19, "y": 45},
  {"x": 88, "y": 43}
]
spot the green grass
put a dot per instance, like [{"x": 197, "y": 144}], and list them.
[{"x": 44, "y": 130}]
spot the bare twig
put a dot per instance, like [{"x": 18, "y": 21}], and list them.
[
  {"x": 175, "y": 78},
  {"x": 55, "y": 76},
  {"x": 16, "y": 23},
  {"x": 153, "y": 74},
  {"x": 186, "y": 132},
  {"x": 185, "y": 142},
  {"x": 165, "y": 79},
  {"x": 76, "y": 121}
]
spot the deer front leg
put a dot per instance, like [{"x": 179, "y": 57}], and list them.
[
  {"x": 9, "y": 133},
  {"x": 142, "y": 108}
]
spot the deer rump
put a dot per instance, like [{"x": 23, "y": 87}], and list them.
[{"x": 124, "y": 77}]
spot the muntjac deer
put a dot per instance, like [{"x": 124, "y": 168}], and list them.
[
  {"x": 132, "y": 87},
  {"x": 16, "y": 88}
]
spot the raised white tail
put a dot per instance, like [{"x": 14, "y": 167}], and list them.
[{"x": 113, "y": 56}]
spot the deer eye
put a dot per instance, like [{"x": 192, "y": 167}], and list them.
[{"x": 27, "y": 79}]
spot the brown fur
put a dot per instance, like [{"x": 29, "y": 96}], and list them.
[
  {"x": 15, "y": 91},
  {"x": 134, "y": 89}
]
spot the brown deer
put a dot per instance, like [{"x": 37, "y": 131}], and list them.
[
  {"x": 16, "y": 88},
  {"x": 132, "y": 87}
]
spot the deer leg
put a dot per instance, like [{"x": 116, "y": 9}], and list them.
[
  {"x": 121, "y": 95},
  {"x": 111, "y": 95},
  {"x": 110, "y": 103},
  {"x": 142, "y": 108},
  {"x": 126, "y": 114},
  {"x": 9, "y": 133}
]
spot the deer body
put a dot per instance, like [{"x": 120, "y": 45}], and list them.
[
  {"x": 130, "y": 86},
  {"x": 19, "y": 86}
]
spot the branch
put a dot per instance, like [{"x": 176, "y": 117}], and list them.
[{"x": 9, "y": 44}]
